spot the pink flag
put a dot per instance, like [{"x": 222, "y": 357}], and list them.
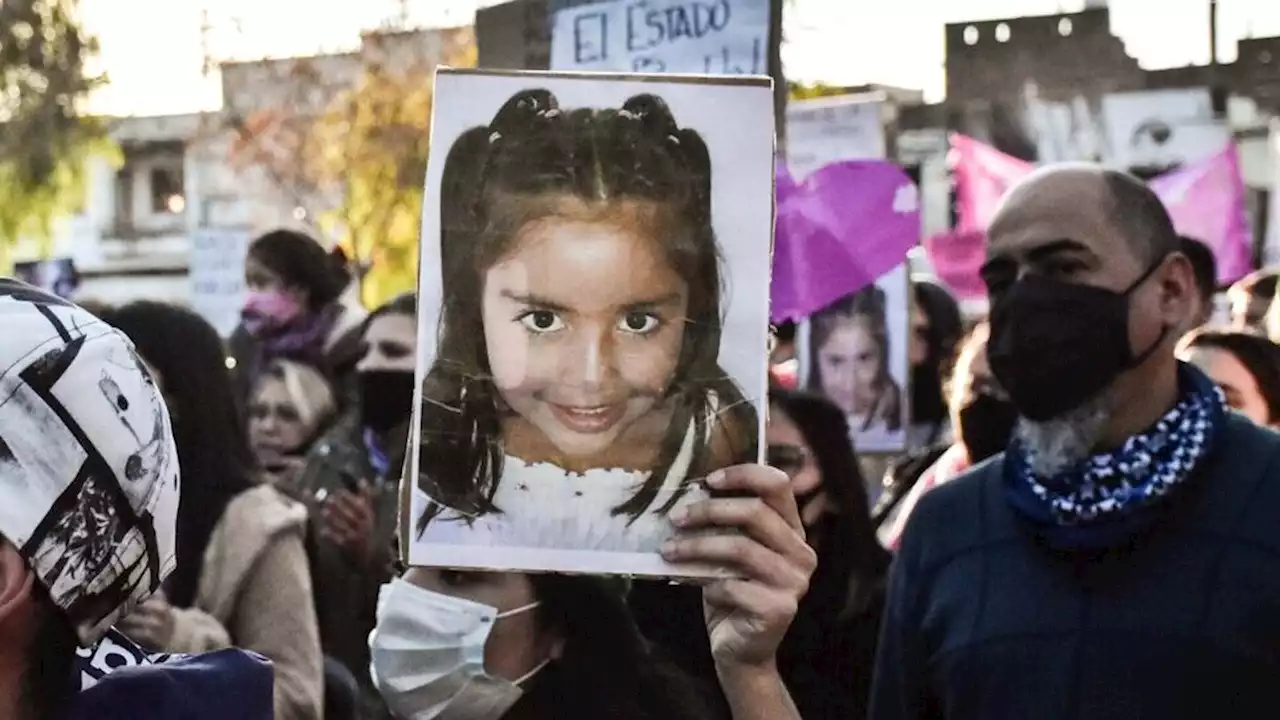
[
  {"x": 1206, "y": 200},
  {"x": 983, "y": 175},
  {"x": 956, "y": 258}
]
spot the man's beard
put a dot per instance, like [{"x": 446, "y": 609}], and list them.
[{"x": 1064, "y": 442}]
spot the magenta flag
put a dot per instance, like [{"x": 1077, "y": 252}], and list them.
[
  {"x": 1205, "y": 199},
  {"x": 838, "y": 231},
  {"x": 957, "y": 257},
  {"x": 982, "y": 176}
]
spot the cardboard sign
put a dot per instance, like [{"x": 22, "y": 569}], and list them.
[{"x": 593, "y": 315}]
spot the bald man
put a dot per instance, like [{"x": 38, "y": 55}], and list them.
[{"x": 1121, "y": 559}]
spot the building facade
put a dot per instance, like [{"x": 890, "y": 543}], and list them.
[{"x": 181, "y": 174}]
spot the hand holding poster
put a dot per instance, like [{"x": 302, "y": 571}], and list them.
[
  {"x": 712, "y": 37},
  {"x": 591, "y": 327}
]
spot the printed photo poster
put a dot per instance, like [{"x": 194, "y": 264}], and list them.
[
  {"x": 1154, "y": 131},
  {"x": 855, "y": 353},
  {"x": 593, "y": 315}
]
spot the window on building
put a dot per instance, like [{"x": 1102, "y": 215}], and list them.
[
  {"x": 971, "y": 35},
  {"x": 1002, "y": 33},
  {"x": 168, "y": 197},
  {"x": 124, "y": 196},
  {"x": 1064, "y": 27}
]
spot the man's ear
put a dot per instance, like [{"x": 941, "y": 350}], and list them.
[
  {"x": 16, "y": 581},
  {"x": 1179, "y": 294}
]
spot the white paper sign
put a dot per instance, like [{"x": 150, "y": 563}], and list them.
[
  {"x": 217, "y": 276},
  {"x": 712, "y": 37},
  {"x": 823, "y": 130}
]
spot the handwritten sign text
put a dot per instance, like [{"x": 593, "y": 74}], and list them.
[{"x": 715, "y": 37}]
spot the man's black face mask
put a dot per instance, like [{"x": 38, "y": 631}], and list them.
[{"x": 1055, "y": 344}]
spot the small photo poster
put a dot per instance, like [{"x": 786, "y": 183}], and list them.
[
  {"x": 593, "y": 315},
  {"x": 854, "y": 352}
]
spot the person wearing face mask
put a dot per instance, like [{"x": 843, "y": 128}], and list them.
[
  {"x": 984, "y": 420},
  {"x": 936, "y": 327},
  {"x": 511, "y": 646},
  {"x": 350, "y": 479},
  {"x": 827, "y": 654},
  {"x": 1120, "y": 559},
  {"x": 296, "y": 309}
]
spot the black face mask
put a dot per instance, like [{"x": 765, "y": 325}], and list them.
[
  {"x": 986, "y": 425},
  {"x": 927, "y": 406},
  {"x": 1055, "y": 345},
  {"x": 386, "y": 398}
]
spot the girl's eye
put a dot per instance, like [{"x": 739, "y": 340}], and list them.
[
  {"x": 541, "y": 321},
  {"x": 639, "y": 323}
]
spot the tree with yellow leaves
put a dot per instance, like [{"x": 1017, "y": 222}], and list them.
[
  {"x": 374, "y": 140},
  {"x": 45, "y": 141}
]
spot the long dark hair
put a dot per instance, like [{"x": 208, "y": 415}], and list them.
[
  {"x": 1260, "y": 357},
  {"x": 213, "y": 448},
  {"x": 946, "y": 326},
  {"x": 870, "y": 303},
  {"x": 498, "y": 178},
  {"x": 847, "y": 546},
  {"x": 607, "y": 669}
]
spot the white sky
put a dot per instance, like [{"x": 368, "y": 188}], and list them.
[{"x": 151, "y": 49}]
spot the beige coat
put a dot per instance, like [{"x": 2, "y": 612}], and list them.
[{"x": 255, "y": 593}]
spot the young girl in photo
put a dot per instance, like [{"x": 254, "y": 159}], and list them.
[
  {"x": 850, "y": 363},
  {"x": 576, "y": 394}
]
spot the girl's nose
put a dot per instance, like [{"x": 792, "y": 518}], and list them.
[{"x": 592, "y": 360}]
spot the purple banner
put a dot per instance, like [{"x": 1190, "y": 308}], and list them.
[{"x": 838, "y": 231}]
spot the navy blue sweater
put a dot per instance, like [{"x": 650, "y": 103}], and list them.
[{"x": 985, "y": 623}]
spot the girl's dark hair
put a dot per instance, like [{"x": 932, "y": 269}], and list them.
[
  {"x": 607, "y": 669},
  {"x": 498, "y": 178},
  {"x": 300, "y": 261},
  {"x": 869, "y": 302},
  {"x": 847, "y": 546},
  {"x": 213, "y": 448},
  {"x": 1260, "y": 357}
]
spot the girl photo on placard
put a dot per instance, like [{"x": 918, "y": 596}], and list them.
[
  {"x": 594, "y": 314},
  {"x": 854, "y": 351}
]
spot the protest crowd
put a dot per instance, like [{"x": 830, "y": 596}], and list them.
[
  {"x": 1087, "y": 528},
  {"x": 562, "y": 479}
]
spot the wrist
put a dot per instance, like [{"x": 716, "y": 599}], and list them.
[{"x": 740, "y": 673}]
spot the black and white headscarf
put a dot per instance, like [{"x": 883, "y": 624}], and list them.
[{"x": 88, "y": 467}]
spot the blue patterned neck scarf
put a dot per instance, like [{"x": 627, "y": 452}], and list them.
[{"x": 1109, "y": 497}]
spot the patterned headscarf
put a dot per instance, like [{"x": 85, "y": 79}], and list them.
[{"x": 88, "y": 467}]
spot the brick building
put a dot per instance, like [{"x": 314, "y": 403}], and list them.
[{"x": 1063, "y": 54}]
